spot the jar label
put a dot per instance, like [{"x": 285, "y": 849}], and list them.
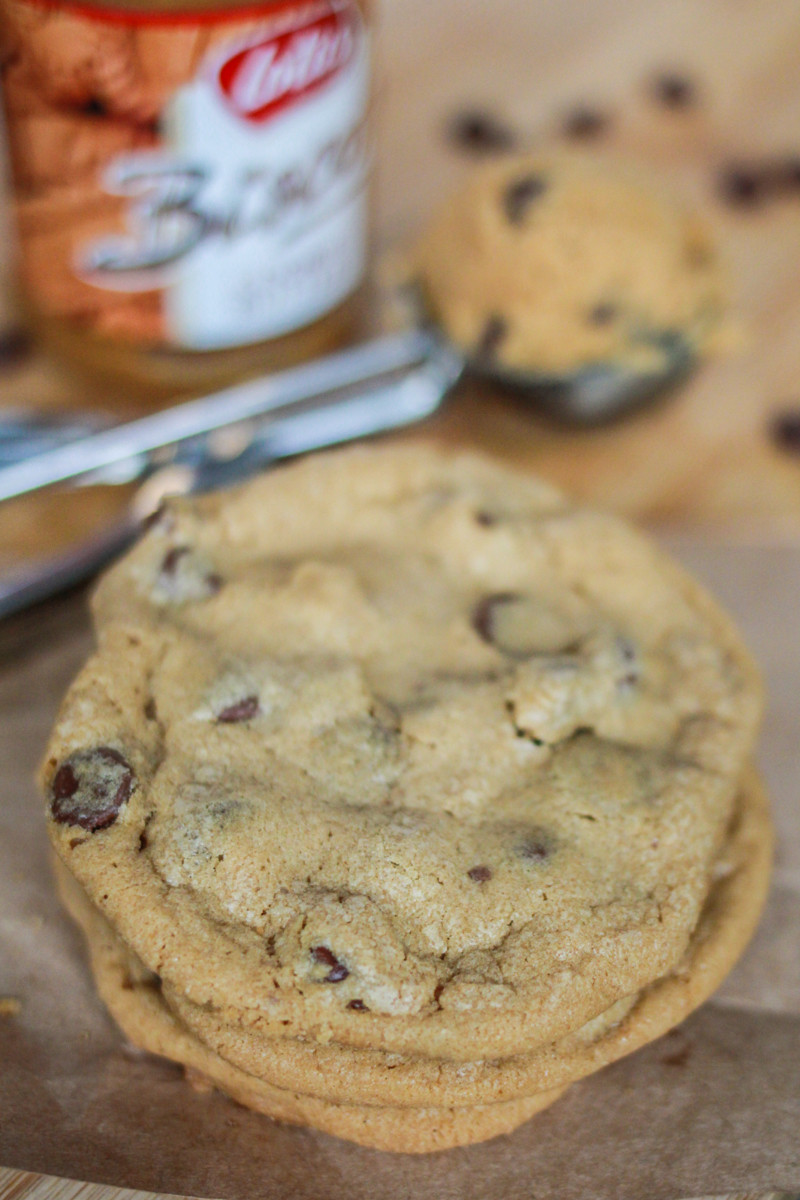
[{"x": 195, "y": 180}]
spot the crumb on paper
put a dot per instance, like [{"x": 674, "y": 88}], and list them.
[{"x": 10, "y": 1006}]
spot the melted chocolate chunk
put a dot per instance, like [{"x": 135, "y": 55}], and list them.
[
  {"x": 479, "y": 132},
  {"x": 357, "y": 1006},
  {"x": 483, "y": 616},
  {"x": 338, "y": 971},
  {"x": 242, "y": 710},
  {"x": 90, "y": 788},
  {"x": 492, "y": 337},
  {"x": 785, "y": 431},
  {"x": 584, "y": 122},
  {"x": 674, "y": 90},
  {"x": 520, "y": 195},
  {"x": 479, "y": 874}
]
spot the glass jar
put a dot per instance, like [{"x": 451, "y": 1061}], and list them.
[{"x": 190, "y": 182}]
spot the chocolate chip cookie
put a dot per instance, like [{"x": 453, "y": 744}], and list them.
[{"x": 398, "y": 764}]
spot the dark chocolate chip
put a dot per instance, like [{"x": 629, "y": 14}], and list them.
[
  {"x": 603, "y": 313},
  {"x": 785, "y": 431},
  {"x": 492, "y": 337},
  {"x": 15, "y": 346},
  {"x": 585, "y": 122},
  {"x": 479, "y": 132},
  {"x": 242, "y": 710},
  {"x": 338, "y": 971},
  {"x": 90, "y": 788},
  {"x": 486, "y": 519},
  {"x": 484, "y": 614},
  {"x": 479, "y": 874},
  {"x": 742, "y": 186},
  {"x": 150, "y": 711},
  {"x": 520, "y": 195},
  {"x": 674, "y": 90},
  {"x": 358, "y": 1006},
  {"x": 172, "y": 558},
  {"x": 534, "y": 849}
]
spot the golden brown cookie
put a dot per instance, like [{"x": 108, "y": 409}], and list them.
[{"x": 396, "y": 753}]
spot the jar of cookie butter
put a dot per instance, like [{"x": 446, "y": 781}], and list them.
[{"x": 190, "y": 181}]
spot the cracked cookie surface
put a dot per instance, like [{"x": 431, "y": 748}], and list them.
[{"x": 403, "y": 751}]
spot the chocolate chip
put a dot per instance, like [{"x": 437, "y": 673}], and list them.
[
  {"x": 785, "y": 431},
  {"x": 214, "y": 583},
  {"x": 583, "y": 122},
  {"x": 358, "y": 1006},
  {"x": 483, "y": 616},
  {"x": 90, "y": 788},
  {"x": 486, "y": 519},
  {"x": 492, "y": 337},
  {"x": 479, "y": 132},
  {"x": 534, "y": 849},
  {"x": 603, "y": 313},
  {"x": 143, "y": 841},
  {"x": 520, "y": 195},
  {"x": 338, "y": 971},
  {"x": 479, "y": 874},
  {"x": 674, "y": 90},
  {"x": 15, "y": 346},
  {"x": 150, "y": 710},
  {"x": 172, "y": 558},
  {"x": 741, "y": 186},
  {"x": 242, "y": 710}
]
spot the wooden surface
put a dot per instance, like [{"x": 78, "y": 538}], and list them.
[
  {"x": 703, "y": 458},
  {"x": 22, "y": 1185}
]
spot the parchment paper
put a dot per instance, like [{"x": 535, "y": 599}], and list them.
[{"x": 712, "y": 1108}]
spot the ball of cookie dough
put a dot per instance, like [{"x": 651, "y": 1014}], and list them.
[{"x": 550, "y": 264}]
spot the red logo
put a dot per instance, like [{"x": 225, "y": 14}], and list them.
[{"x": 270, "y": 76}]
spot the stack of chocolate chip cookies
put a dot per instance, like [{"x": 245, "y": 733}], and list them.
[{"x": 401, "y": 792}]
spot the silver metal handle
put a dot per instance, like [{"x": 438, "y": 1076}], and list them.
[{"x": 275, "y": 394}]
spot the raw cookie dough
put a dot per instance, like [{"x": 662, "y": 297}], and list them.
[{"x": 552, "y": 264}]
